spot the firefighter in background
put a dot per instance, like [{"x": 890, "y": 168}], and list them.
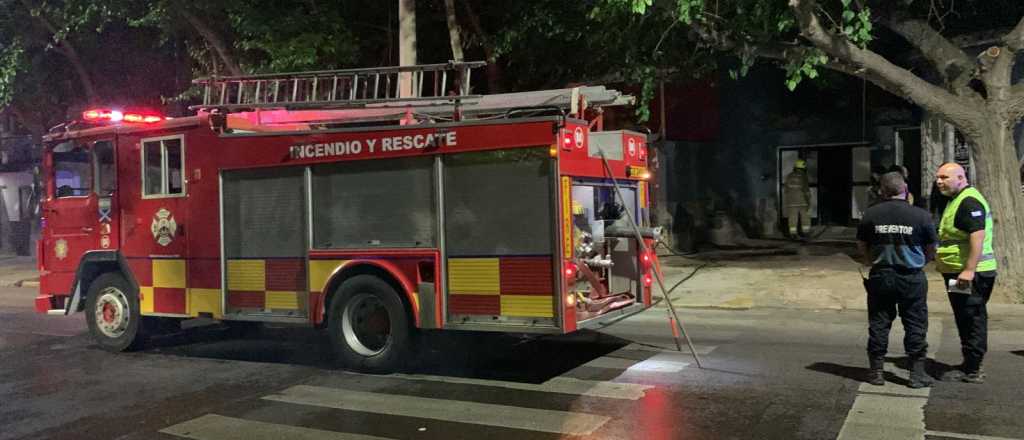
[{"x": 797, "y": 197}]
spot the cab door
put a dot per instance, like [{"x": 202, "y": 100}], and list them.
[{"x": 80, "y": 206}]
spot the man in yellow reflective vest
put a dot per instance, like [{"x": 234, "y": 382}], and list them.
[{"x": 968, "y": 265}]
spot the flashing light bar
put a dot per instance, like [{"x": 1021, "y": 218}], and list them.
[{"x": 107, "y": 115}]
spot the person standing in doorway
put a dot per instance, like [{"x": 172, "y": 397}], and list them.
[
  {"x": 967, "y": 262},
  {"x": 897, "y": 239},
  {"x": 797, "y": 195}
]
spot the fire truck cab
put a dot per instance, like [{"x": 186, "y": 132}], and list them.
[{"x": 324, "y": 199}]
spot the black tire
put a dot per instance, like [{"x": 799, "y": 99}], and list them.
[
  {"x": 369, "y": 326},
  {"x": 112, "y": 312}
]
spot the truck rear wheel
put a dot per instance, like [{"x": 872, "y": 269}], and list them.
[
  {"x": 112, "y": 312},
  {"x": 369, "y": 326}
]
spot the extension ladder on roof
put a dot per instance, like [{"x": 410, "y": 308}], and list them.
[{"x": 339, "y": 88}]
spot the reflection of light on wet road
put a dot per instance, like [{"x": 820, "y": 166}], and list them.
[{"x": 656, "y": 417}]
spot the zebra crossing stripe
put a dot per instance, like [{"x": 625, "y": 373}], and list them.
[
  {"x": 562, "y": 385},
  {"x": 215, "y": 427},
  {"x": 889, "y": 411},
  {"x": 559, "y": 422}
]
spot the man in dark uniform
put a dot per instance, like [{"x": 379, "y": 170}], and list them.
[
  {"x": 967, "y": 260},
  {"x": 896, "y": 240}
]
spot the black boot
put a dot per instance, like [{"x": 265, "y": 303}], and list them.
[
  {"x": 876, "y": 373},
  {"x": 973, "y": 372},
  {"x": 918, "y": 376}
]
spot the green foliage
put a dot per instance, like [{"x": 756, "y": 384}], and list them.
[
  {"x": 290, "y": 36},
  {"x": 11, "y": 61},
  {"x": 804, "y": 67},
  {"x": 740, "y": 27}
]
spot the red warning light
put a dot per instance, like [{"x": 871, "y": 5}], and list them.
[{"x": 107, "y": 115}]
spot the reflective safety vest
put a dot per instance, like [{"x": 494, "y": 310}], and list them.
[{"x": 955, "y": 245}]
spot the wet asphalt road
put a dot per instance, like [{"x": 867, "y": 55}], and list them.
[{"x": 776, "y": 374}]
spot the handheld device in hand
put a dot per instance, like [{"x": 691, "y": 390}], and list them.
[{"x": 953, "y": 287}]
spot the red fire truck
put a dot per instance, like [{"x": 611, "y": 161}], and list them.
[{"x": 325, "y": 199}]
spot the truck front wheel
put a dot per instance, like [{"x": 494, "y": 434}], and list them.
[
  {"x": 112, "y": 312},
  {"x": 369, "y": 326}
]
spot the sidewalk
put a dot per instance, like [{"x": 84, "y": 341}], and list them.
[
  {"x": 18, "y": 271},
  {"x": 818, "y": 277}
]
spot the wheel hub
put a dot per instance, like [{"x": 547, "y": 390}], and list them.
[
  {"x": 111, "y": 312},
  {"x": 366, "y": 325}
]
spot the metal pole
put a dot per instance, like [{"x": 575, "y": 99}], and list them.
[{"x": 657, "y": 274}]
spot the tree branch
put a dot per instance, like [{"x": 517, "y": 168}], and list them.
[
  {"x": 952, "y": 63},
  {"x": 454, "y": 33},
  {"x": 69, "y": 52},
  {"x": 1015, "y": 39},
  {"x": 996, "y": 67},
  {"x": 963, "y": 112},
  {"x": 211, "y": 37},
  {"x": 798, "y": 53}
]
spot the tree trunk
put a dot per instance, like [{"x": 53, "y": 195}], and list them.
[
  {"x": 494, "y": 72},
  {"x": 214, "y": 40},
  {"x": 998, "y": 174},
  {"x": 455, "y": 35},
  {"x": 406, "y": 45},
  {"x": 69, "y": 52}
]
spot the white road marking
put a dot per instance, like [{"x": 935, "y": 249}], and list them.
[
  {"x": 888, "y": 417},
  {"x": 560, "y": 422},
  {"x": 966, "y": 436},
  {"x": 891, "y": 411},
  {"x": 215, "y": 427},
  {"x": 560, "y": 384}
]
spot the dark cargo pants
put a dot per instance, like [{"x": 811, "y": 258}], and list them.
[
  {"x": 892, "y": 293},
  {"x": 971, "y": 313}
]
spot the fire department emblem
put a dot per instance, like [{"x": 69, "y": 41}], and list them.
[
  {"x": 163, "y": 227},
  {"x": 60, "y": 248},
  {"x": 632, "y": 147},
  {"x": 578, "y": 137}
]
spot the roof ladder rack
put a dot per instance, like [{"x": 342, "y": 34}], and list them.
[{"x": 432, "y": 83}]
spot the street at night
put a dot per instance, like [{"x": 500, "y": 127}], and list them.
[
  {"x": 467, "y": 219},
  {"x": 768, "y": 373}
]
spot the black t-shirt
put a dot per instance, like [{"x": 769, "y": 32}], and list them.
[
  {"x": 970, "y": 215},
  {"x": 897, "y": 234}
]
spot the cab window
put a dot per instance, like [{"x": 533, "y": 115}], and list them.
[
  {"x": 72, "y": 171},
  {"x": 163, "y": 167}
]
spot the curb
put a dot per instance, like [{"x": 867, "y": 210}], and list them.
[{"x": 28, "y": 282}]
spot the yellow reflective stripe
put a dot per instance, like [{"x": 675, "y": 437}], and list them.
[
  {"x": 474, "y": 276},
  {"x": 320, "y": 272},
  {"x": 247, "y": 275},
  {"x": 204, "y": 301},
  {"x": 146, "y": 299},
  {"x": 169, "y": 273},
  {"x": 527, "y": 305},
  {"x": 281, "y": 300}
]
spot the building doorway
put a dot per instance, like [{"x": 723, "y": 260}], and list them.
[{"x": 839, "y": 177}]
